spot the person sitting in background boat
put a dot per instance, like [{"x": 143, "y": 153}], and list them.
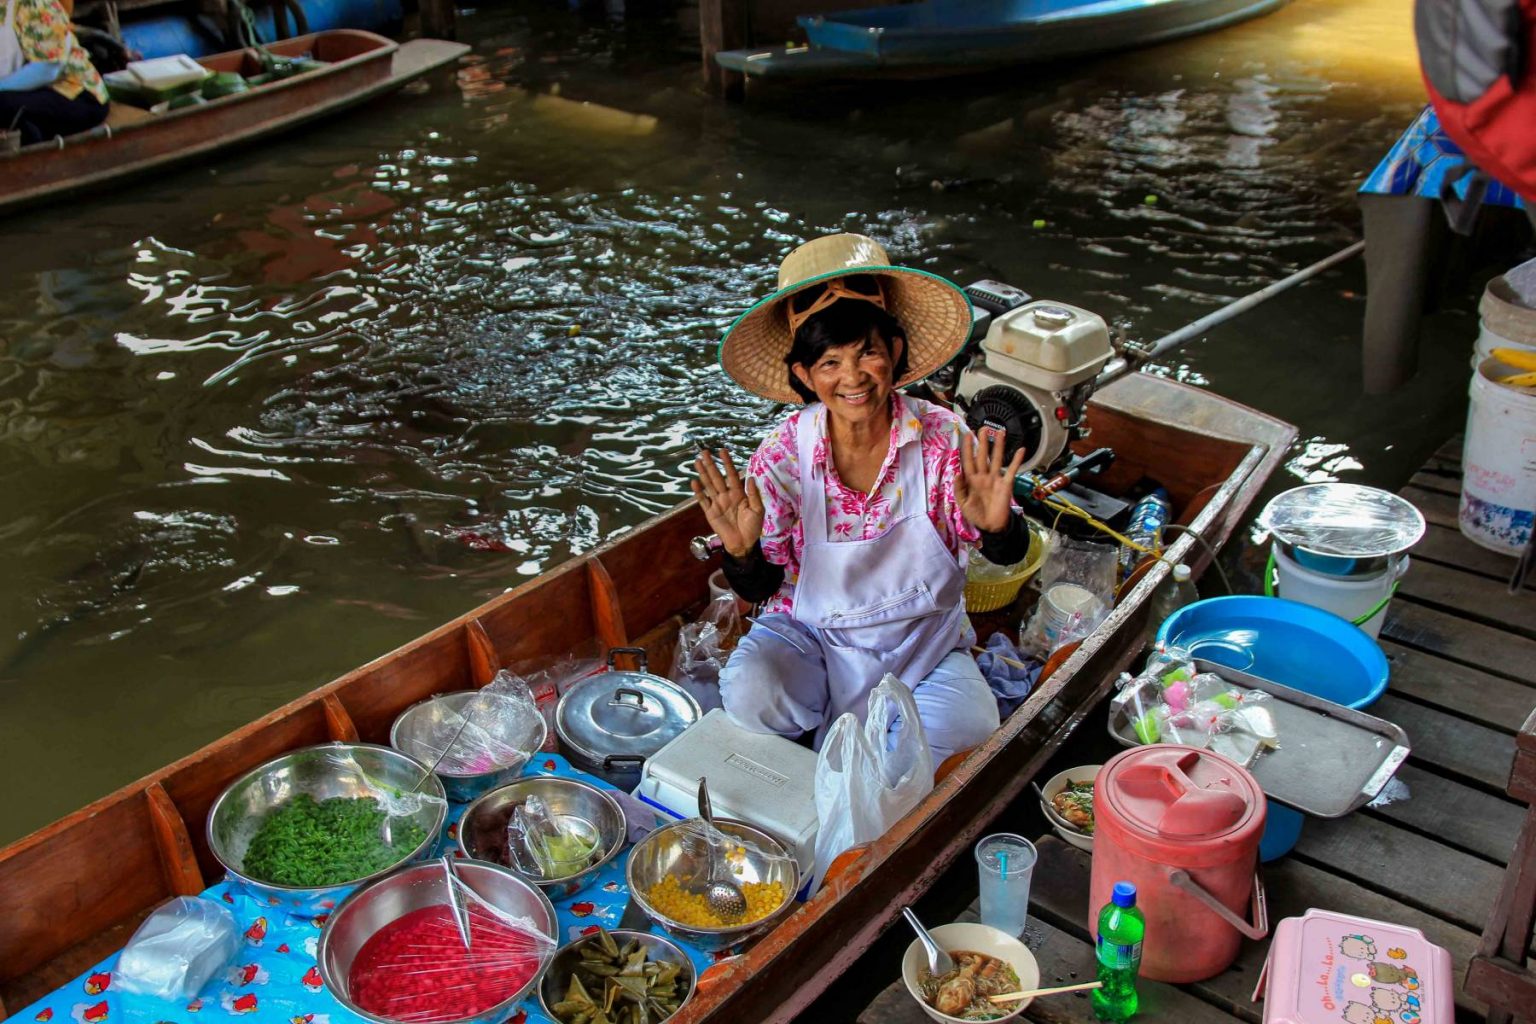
[
  {"x": 858, "y": 511},
  {"x": 37, "y": 34}
]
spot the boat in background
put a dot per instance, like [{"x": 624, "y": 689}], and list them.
[
  {"x": 945, "y": 37},
  {"x": 75, "y": 890},
  {"x": 358, "y": 66}
]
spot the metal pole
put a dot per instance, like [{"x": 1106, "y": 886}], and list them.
[{"x": 1191, "y": 331}]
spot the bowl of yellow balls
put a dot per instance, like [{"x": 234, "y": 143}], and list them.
[{"x": 670, "y": 869}]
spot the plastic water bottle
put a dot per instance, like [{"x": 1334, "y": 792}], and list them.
[
  {"x": 1121, "y": 928},
  {"x": 1145, "y": 528},
  {"x": 1176, "y": 591}
]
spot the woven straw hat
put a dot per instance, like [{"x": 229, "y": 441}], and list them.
[{"x": 935, "y": 313}]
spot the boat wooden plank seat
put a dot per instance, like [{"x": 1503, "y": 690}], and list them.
[{"x": 1455, "y": 857}]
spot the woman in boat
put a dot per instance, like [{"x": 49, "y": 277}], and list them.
[
  {"x": 858, "y": 511},
  {"x": 75, "y": 100}
]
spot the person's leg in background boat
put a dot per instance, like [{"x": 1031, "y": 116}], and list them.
[
  {"x": 775, "y": 680},
  {"x": 42, "y": 114},
  {"x": 956, "y": 706}
]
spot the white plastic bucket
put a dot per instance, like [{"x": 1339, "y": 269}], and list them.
[
  {"x": 1503, "y": 322},
  {"x": 1348, "y": 597},
  {"x": 1498, "y": 464},
  {"x": 718, "y": 585}
]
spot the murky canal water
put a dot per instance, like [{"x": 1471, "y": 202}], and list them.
[{"x": 265, "y": 420}]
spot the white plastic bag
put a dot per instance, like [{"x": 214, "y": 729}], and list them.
[
  {"x": 865, "y": 781},
  {"x": 177, "y": 949}
]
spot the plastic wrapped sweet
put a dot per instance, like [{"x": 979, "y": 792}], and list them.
[
  {"x": 498, "y": 727},
  {"x": 543, "y": 844},
  {"x": 177, "y": 949},
  {"x": 1344, "y": 520},
  {"x": 1170, "y": 702},
  {"x": 417, "y": 969}
]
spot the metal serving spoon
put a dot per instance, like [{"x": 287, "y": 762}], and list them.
[
  {"x": 939, "y": 962},
  {"x": 724, "y": 897}
]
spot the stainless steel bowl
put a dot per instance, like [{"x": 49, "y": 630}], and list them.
[
  {"x": 658, "y": 949},
  {"x": 483, "y": 828},
  {"x": 416, "y": 886},
  {"x": 667, "y": 851},
  {"x": 412, "y": 726},
  {"x": 235, "y": 815}
]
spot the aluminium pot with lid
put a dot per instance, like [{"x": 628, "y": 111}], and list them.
[{"x": 610, "y": 723}]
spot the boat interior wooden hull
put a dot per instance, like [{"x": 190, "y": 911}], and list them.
[{"x": 74, "y": 891}]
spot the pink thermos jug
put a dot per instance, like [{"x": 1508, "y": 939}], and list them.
[{"x": 1183, "y": 825}]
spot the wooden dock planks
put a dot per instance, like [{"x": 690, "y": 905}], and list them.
[{"x": 1463, "y": 654}]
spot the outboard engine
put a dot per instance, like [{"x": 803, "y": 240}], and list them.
[{"x": 1031, "y": 376}]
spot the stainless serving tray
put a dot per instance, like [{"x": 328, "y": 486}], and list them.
[{"x": 1331, "y": 759}]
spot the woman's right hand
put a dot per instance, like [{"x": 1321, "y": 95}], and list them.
[{"x": 734, "y": 510}]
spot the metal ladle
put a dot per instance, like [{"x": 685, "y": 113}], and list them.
[{"x": 724, "y": 897}]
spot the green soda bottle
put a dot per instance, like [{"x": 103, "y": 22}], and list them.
[{"x": 1121, "y": 928}]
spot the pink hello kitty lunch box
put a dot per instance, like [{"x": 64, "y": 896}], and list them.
[{"x": 1328, "y": 968}]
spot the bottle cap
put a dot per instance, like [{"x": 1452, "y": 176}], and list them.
[
  {"x": 1181, "y": 573},
  {"x": 1124, "y": 895}
]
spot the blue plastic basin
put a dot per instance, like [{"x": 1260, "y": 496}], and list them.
[{"x": 1290, "y": 643}]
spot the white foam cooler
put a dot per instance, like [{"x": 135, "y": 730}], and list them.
[{"x": 765, "y": 780}]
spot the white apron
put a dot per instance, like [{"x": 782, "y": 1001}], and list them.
[
  {"x": 11, "y": 57},
  {"x": 894, "y": 603}
]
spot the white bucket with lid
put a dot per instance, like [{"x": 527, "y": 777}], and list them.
[
  {"x": 1498, "y": 464},
  {"x": 1504, "y": 321},
  {"x": 1340, "y": 547},
  {"x": 1362, "y": 600}
]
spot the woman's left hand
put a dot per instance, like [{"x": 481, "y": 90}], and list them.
[{"x": 984, "y": 489}]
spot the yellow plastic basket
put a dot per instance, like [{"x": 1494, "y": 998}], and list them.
[{"x": 990, "y": 595}]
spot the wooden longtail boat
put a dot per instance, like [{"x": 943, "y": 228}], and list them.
[
  {"x": 359, "y": 66},
  {"x": 938, "y": 37},
  {"x": 74, "y": 891}
]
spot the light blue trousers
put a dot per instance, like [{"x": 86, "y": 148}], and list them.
[{"x": 776, "y": 681}]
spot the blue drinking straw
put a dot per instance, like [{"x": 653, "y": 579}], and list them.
[{"x": 1002, "y": 863}]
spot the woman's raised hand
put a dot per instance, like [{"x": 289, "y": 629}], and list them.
[
  {"x": 984, "y": 490},
  {"x": 734, "y": 511}
]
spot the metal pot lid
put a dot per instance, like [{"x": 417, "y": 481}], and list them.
[
  {"x": 625, "y": 713},
  {"x": 1345, "y": 520}
]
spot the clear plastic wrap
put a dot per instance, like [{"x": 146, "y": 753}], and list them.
[
  {"x": 1344, "y": 520},
  {"x": 709, "y": 854},
  {"x": 543, "y": 844},
  {"x": 1077, "y": 592},
  {"x": 1169, "y": 702},
  {"x": 349, "y": 825},
  {"x": 177, "y": 949},
  {"x": 416, "y": 968},
  {"x": 499, "y": 727},
  {"x": 702, "y": 649}
]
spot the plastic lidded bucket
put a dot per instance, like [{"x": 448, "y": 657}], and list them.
[
  {"x": 1290, "y": 643},
  {"x": 1362, "y": 600},
  {"x": 1183, "y": 825},
  {"x": 1498, "y": 464},
  {"x": 1504, "y": 321}
]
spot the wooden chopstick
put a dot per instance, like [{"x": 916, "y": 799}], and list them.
[
  {"x": 1014, "y": 997},
  {"x": 1006, "y": 661}
]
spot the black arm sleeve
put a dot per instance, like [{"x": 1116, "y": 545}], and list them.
[
  {"x": 754, "y": 578},
  {"x": 1008, "y": 545}
]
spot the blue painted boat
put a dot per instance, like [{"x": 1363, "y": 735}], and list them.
[{"x": 956, "y": 36}]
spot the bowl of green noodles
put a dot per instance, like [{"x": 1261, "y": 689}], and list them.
[{"x": 989, "y": 962}]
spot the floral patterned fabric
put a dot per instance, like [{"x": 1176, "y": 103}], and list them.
[
  {"x": 43, "y": 30},
  {"x": 851, "y": 515}
]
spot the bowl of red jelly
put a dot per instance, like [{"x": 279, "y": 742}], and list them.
[{"x": 392, "y": 951}]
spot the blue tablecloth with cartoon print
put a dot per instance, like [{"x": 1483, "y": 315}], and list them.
[{"x": 274, "y": 980}]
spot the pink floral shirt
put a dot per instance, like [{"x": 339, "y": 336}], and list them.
[{"x": 851, "y": 515}]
